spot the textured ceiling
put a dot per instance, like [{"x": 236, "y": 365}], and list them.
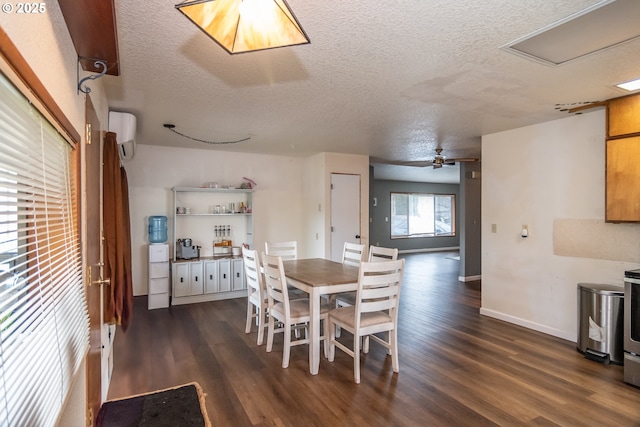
[{"x": 389, "y": 79}]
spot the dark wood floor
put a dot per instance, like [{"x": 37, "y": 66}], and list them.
[{"x": 457, "y": 368}]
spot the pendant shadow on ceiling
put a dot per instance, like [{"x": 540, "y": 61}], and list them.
[{"x": 261, "y": 68}]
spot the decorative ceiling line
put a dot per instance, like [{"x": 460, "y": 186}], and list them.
[{"x": 171, "y": 127}]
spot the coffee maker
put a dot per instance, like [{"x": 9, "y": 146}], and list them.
[{"x": 185, "y": 249}]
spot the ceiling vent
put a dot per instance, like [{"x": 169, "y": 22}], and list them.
[
  {"x": 124, "y": 126},
  {"x": 604, "y": 25}
]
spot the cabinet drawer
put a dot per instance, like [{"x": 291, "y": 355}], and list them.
[
  {"x": 158, "y": 253},
  {"x": 158, "y": 301},
  {"x": 159, "y": 286},
  {"x": 158, "y": 269}
]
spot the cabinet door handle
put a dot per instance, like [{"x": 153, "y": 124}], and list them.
[
  {"x": 196, "y": 278},
  {"x": 181, "y": 279},
  {"x": 211, "y": 277},
  {"x": 224, "y": 276}
]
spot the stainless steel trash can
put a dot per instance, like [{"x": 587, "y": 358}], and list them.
[{"x": 601, "y": 322}]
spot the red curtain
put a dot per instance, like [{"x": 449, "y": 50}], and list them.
[{"x": 117, "y": 237}]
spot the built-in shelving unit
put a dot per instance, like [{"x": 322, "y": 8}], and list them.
[
  {"x": 200, "y": 224},
  {"x": 211, "y": 276}
]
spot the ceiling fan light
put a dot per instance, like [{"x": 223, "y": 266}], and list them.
[{"x": 244, "y": 26}]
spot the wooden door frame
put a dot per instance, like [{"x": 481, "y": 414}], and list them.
[{"x": 91, "y": 214}]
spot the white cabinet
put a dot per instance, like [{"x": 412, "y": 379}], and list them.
[
  {"x": 224, "y": 269},
  {"x": 208, "y": 279},
  {"x": 181, "y": 280},
  {"x": 196, "y": 282},
  {"x": 188, "y": 279},
  {"x": 158, "y": 295},
  {"x": 237, "y": 274},
  {"x": 211, "y": 277}
]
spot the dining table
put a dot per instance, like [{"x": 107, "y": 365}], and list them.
[{"x": 317, "y": 277}]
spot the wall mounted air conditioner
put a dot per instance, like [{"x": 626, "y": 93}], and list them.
[{"x": 124, "y": 125}]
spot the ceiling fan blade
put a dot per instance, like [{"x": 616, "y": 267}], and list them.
[
  {"x": 415, "y": 163},
  {"x": 418, "y": 163},
  {"x": 461, "y": 159}
]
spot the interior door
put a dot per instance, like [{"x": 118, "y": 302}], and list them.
[
  {"x": 92, "y": 262},
  {"x": 345, "y": 212}
]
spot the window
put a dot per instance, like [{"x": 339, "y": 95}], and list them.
[
  {"x": 422, "y": 215},
  {"x": 44, "y": 327}
]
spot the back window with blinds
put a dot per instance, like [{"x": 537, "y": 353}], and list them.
[{"x": 44, "y": 327}]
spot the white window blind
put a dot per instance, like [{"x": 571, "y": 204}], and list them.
[{"x": 44, "y": 326}]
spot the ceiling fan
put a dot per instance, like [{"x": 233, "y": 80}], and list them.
[{"x": 438, "y": 161}]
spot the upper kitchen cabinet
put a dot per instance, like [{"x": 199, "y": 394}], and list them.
[
  {"x": 623, "y": 116},
  {"x": 623, "y": 180},
  {"x": 622, "y": 193}
]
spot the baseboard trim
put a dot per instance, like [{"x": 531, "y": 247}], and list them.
[
  {"x": 469, "y": 278},
  {"x": 413, "y": 251},
  {"x": 528, "y": 324}
]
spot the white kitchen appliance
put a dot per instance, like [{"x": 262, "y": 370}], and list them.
[
  {"x": 185, "y": 250},
  {"x": 632, "y": 327}
]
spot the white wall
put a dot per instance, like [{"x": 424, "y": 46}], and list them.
[
  {"x": 286, "y": 200},
  {"x": 315, "y": 207},
  {"x": 155, "y": 170},
  {"x": 534, "y": 175}
]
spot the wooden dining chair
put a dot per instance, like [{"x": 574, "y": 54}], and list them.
[
  {"x": 353, "y": 254},
  {"x": 375, "y": 311},
  {"x": 257, "y": 300},
  {"x": 376, "y": 254},
  {"x": 290, "y": 313},
  {"x": 287, "y": 251}
]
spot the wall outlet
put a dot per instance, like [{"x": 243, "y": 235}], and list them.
[{"x": 494, "y": 228}]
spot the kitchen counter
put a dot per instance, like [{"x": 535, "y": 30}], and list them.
[{"x": 207, "y": 258}]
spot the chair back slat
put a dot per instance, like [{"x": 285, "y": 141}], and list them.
[
  {"x": 378, "y": 253},
  {"x": 286, "y": 250}
]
